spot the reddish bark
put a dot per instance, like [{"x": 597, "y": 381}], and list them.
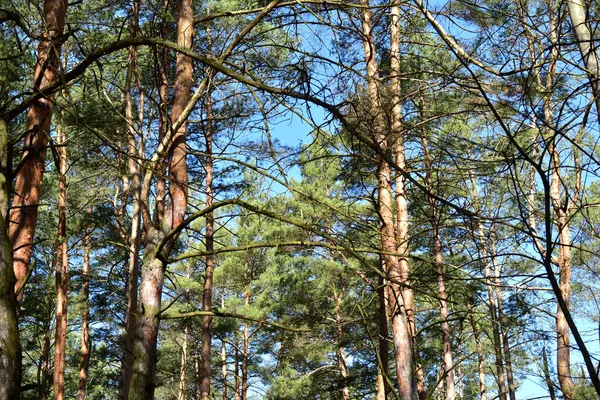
[
  {"x": 400, "y": 295},
  {"x": 23, "y": 215},
  {"x": 142, "y": 382}
]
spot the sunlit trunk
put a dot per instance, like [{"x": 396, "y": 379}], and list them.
[
  {"x": 587, "y": 46},
  {"x": 481, "y": 240},
  {"x": 62, "y": 271},
  {"x": 440, "y": 273},
  {"x": 23, "y": 214},
  {"x": 135, "y": 151},
  {"x": 341, "y": 354},
  {"x": 183, "y": 365},
  {"x": 84, "y": 358},
  {"x": 400, "y": 298},
  {"x": 210, "y": 263},
  {"x": 479, "y": 348}
]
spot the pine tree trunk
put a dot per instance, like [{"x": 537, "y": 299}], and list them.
[
  {"x": 210, "y": 263},
  {"x": 561, "y": 209},
  {"x": 224, "y": 368},
  {"x": 135, "y": 151},
  {"x": 10, "y": 345},
  {"x": 563, "y": 355},
  {"x": 23, "y": 214},
  {"x": 62, "y": 272},
  {"x": 245, "y": 351},
  {"x": 142, "y": 382},
  {"x": 44, "y": 363},
  {"x": 496, "y": 336},
  {"x": 587, "y": 47},
  {"x": 480, "y": 358},
  {"x": 416, "y": 386},
  {"x": 504, "y": 331},
  {"x": 238, "y": 394},
  {"x": 84, "y": 359},
  {"x": 183, "y": 366},
  {"x": 459, "y": 372},
  {"x": 382, "y": 370},
  {"x": 341, "y": 354},
  {"x": 440, "y": 272},
  {"x": 399, "y": 298}
]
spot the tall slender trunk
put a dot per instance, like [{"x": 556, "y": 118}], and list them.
[
  {"x": 196, "y": 372},
  {"x": 44, "y": 363},
  {"x": 10, "y": 345},
  {"x": 245, "y": 351},
  {"x": 480, "y": 238},
  {"x": 459, "y": 372},
  {"x": 562, "y": 216},
  {"x": 62, "y": 271},
  {"x": 135, "y": 151},
  {"x": 399, "y": 298},
  {"x": 341, "y": 354},
  {"x": 397, "y": 143},
  {"x": 23, "y": 214},
  {"x": 383, "y": 387},
  {"x": 480, "y": 358},
  {"x": 210, "y": 262},
  {"x": 504, "y": 328},
  {"x": 238, "y": 395},
  {"x": 142, "y": 382},
  {"x": 587, "y": 46},
  {"x": 223, "y": 357},
  {"x": 183, "y": 365},
  {"x": 224, "y": 368},
  {"x": 440, "y": 272},
  {"x": 84, "y": 359}
]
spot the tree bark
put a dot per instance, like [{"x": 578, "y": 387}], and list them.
[
  {"x": 383, "y": 387},
  {"x": 142, "y": 383},
  {"x": 504, "y": 328},
  {"x": 183, "y": 366},
  {"x": 341, "y": 354},
  {"x": 210, "y": 263},
  {"x": 62, "y": 271},
  {"x": 44, "y": 364},
  {"x": 400, "y": 296},
  {"x": 413, "y": 379},
  {"x": 587, "y": 47},
  {"x": 23, "y": 215},
  {"x": 135, "y": 151},
  {"x": 224, "y": 368},
  {"x": 10, "y": 345},
  {"x": 480, "y": 358},
  {"x": 480, "y": 238},
  {"x": 440, "y": 272},
  {"x": 245, "y": 352},
  {"x": 84, "y": 359},
  {"x": 562, "y": 216},
  {"x": 238, "y": 395}
]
